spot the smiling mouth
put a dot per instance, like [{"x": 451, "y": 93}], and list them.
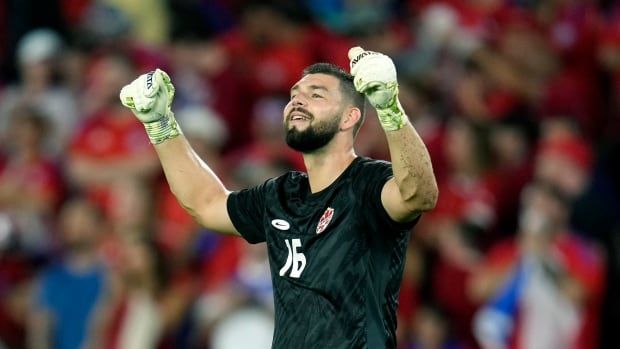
[
  {"x": 298, "y": 117},
  {"x": 298, "y": 114}
]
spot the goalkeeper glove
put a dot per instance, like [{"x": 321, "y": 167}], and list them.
[
  {"x": 374, "y": 75},
  {"x": 149, "y": 97}
]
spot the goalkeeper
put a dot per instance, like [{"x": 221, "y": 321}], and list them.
[{"x": 336, "y": 235}]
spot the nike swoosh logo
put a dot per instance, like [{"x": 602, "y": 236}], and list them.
[{"x": 280, "y": 224}]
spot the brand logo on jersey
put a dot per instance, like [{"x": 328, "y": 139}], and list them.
[
  {"x": 280, "y": 224},
  {"x": 325, "y": 219}
]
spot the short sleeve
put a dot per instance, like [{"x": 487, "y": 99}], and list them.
[
  {"x": 246, "y": 209},
  {"x": 371, "y": 178}
]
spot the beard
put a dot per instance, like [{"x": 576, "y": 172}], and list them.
[{"x": 315, "y": 136}]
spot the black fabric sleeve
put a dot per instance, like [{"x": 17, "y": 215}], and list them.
[
  {"x": 246, "y": 209},
  {"x": 372, "y": 178}
]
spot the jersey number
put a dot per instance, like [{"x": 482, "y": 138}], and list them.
[{"x": 295, "y": 260}]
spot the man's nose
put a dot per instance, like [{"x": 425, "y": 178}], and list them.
[{"x": 298, "y": 100}]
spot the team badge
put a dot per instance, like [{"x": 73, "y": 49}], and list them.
[{"x": 325, "y": 219}]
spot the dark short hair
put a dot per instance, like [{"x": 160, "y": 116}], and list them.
[
  {"x": 346, "y": 87},
  {"x": 26, "y": 114}
]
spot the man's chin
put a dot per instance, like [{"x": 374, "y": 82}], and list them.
[
  {"x": 301, "y": 149},
  {"x": 298, "y": 126},
  {"x": 304, "y": 146}
]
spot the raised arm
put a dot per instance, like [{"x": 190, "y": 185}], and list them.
[
  {"x": 191, "y": 180},
  {"x": 413, "y": 189}
]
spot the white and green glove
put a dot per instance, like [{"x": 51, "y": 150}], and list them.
[
  {"x": 374, "y": 75},
  {"x": 149, "y": 97}
]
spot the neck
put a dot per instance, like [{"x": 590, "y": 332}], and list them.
[
  {"x": 140, "y": 282},
  {"x": 35, "y": 86},
  {"x": 81, "y": 260},
  {"x": 324, "y": 167}
]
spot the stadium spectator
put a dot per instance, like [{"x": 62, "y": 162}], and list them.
[
  {"x": 31, "y": 184},
  {"x": 431, "y": 329},
  {"x": 38, "y": 56},
  {"x": 243, "y": 301},
  {"x": 468, "y": 185},
  {"x": 542, "y": 289},
  {"x": 539, "y": 81},
  {"x": 69, "y": 290},
  {"x": 108, "y": 144},
  {"x": 268, "y": 154},
  {"x": 513, "y": 146},
  {"x": 140, "y": 310}
]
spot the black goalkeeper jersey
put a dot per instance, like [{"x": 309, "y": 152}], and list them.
[{"x": 336, "y": 257}]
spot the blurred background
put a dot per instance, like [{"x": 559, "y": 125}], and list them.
[{"x": 518, "y": 102}]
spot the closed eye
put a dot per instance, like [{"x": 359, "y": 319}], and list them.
[{"x": 315, "y": 95}]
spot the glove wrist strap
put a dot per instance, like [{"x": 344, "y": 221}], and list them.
[
  {"x": 162, "y": 129},
  {"x": 393, "y": 117}
]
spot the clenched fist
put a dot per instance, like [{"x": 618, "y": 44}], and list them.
[
  {"x": 374, "y": 75},
  {"x": 150, "y": 97}
]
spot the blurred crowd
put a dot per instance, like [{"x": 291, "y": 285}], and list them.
[{"x": 518, "y": 102}]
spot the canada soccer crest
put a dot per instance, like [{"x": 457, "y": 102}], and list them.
[{"x": 325, "y": 219}]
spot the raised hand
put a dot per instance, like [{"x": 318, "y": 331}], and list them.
[
  {"x": 150, "y": 97},
  {"x": 375, "y": 76}
]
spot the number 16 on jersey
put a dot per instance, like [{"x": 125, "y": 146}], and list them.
[{"x": 296, "y": 261}]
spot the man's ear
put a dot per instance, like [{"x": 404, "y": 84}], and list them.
[{"x": 351, "y": 117}]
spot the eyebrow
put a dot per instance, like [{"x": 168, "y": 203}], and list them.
[{"x": 312, "y": 87}]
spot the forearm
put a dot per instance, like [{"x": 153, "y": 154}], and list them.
[
  {"x": 572, "y": 288},
  {"x": 39, "y": 331},
  {"x": 484, "y": 283},
  {"x": 194, "y": 184},
  {"x": 415, "y": 191},
  {"x": 190, "y": 179},
  {"x": 412, "y": 168}
]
